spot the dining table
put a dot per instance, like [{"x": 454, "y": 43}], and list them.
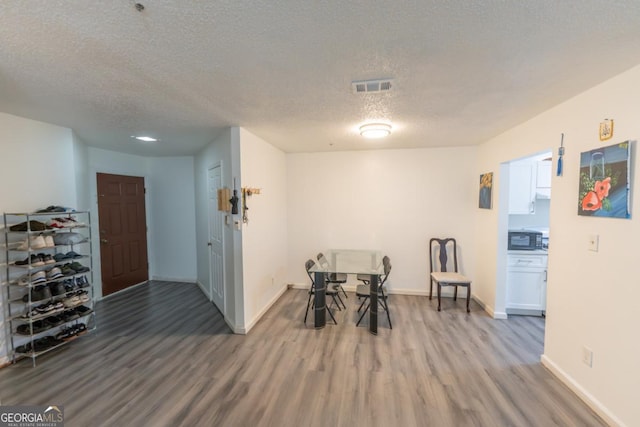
[{"x": 348, "y": 261}]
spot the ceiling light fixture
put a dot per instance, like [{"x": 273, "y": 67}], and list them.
[
  {"x": 375, "y": 130},
  {"x": 144, "y": 138}
]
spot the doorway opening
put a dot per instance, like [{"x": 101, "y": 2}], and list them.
[{"x": 526, "y": 215}]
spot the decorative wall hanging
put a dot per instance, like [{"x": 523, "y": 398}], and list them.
[
  {"x": 223, "y": 199},
  {"x": 606, "y": 130},
  {"x": 247, "y": 192},
  {"x": 604, "y": 181},
  {"x": 486, "y": 183},
  {"x": 234, "y": 199},
  {"x": 560, "y": 154}
]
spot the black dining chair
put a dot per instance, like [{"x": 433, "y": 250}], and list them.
[
  {"x": 364, "y": 291},
  {"x": 337, "y": 279},
  {"x": 443, "y": 262},
  {"x": 330, "y": 291}
]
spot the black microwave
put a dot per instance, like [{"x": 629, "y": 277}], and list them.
[{"x": 523, "y": 240}]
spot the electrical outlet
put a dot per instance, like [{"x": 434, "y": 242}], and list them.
[
  {"x": 592, "y": 244},
  {"x": 587, "y": 356}
]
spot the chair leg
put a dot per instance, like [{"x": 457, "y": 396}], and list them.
[
  {"x": 468, "y": 296},
  {"x": 362, "y": 303},
  {"x": 344, "y": 292},
  {"x": 331, "y": 314},
  {"x": 430, "y": 288},
  {"x": 363, "y": 313},
  {"x": 306, "y": 313},
  {"x": 385, "y": 305},
  {"x": 342, "y": 302},
  {"x": 455, "y": 293},
  {"x": 337, "y": 300},
  {"x": 439, "y": 286}
]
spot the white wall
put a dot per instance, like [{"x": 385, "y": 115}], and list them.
[
  {"x": 81, "y": 170},
  {"x": 264, "y": 237},
  {"x": 592, "y": 297},
  {"x": 37, "y": 169},
  {"x": 390, "y": 200},
  {"x": 224, "y": 150},
  {"x": 172, "y": 203}
]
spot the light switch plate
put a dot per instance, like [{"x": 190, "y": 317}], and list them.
[{"x": 592, "y": 244}]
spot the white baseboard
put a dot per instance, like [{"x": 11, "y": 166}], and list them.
[
  {"x": 174, "y": 279},
  {"x": 102, "y": 297},
  {"x": 413, "y": 292},
  {"x": 204, "y": 290},
  {"x": 583, "y": 394},
  {"x": 498, "y": 315},
  {"x": 266, "y": 308},
  {"x": 235, "y": 329}
]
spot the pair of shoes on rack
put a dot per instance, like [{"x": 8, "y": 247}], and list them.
[
  {"x": 54, "y": 273},
  {"x": 33, "y": 328},
  {"x": 62, "y": 222},
  {"x": 33, "y": 278},
  {"x": 37, "y": 242},
  {"x": 29, "y": 226},
  {"x": 41, "y": 344},
  {"x": 36, "y": 260},
  {"x": 76, "y": 313},
  {"x": 69, "y": 255},
  {"x": 72, "y": 268},
  {"x": 39, "y": 293},
  {"x": 41, "y": 276},
  {"x": 76, "y": 299},
  {"x": 57, "y": 288},
  {"x": 44, "y": 310},
  {"x": 76, "y": 283},
  {"x": 55, "y": 208},
  {"x": 82, "y": 282},
  {"x": 73, "y": 331}
]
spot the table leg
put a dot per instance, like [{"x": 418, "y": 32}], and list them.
[
  {"x": 320, "y": 300},
  {"x": 373, "y": 309}
]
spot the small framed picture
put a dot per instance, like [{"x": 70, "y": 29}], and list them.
[
  {"x": 486, "y": 183},
  {"x": 606, "y": 130}
]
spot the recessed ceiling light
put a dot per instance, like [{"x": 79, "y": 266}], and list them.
[
  {"x": 375, "y": 130},
  {"x": 144, "y": 138}
]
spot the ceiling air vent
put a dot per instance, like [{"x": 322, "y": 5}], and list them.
[{"x": 371, "y": 86}]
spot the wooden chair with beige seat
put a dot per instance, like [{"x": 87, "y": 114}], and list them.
[{"x": 443, "y": 262}]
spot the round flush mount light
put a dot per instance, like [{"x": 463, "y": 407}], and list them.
[{"x": 375, "y": 130}]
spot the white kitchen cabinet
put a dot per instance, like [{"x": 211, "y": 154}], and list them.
[
  {"x": 527, "y": 282},
  {"x": 521, "y": 188},
  {"x": 543, "y": 179}
]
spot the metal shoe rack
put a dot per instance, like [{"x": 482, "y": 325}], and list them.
[{"x": 39, "y": 326}]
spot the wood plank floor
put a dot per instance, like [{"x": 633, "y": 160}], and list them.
[{"x": 163, "y": 356}]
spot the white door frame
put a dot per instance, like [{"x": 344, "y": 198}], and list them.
[{"x": 212, "y": 212}]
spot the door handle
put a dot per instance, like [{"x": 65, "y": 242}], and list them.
[
  {"x": 209, "y": 244},
  {"x": 104, "y": 241}
]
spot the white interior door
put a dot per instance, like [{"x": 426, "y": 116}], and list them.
[{"x": 216, "y": 246}]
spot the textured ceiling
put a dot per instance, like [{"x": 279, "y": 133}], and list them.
[{"x": 182, "y": 70}]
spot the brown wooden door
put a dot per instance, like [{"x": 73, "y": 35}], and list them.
[{"x": 123, "y": 231}]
